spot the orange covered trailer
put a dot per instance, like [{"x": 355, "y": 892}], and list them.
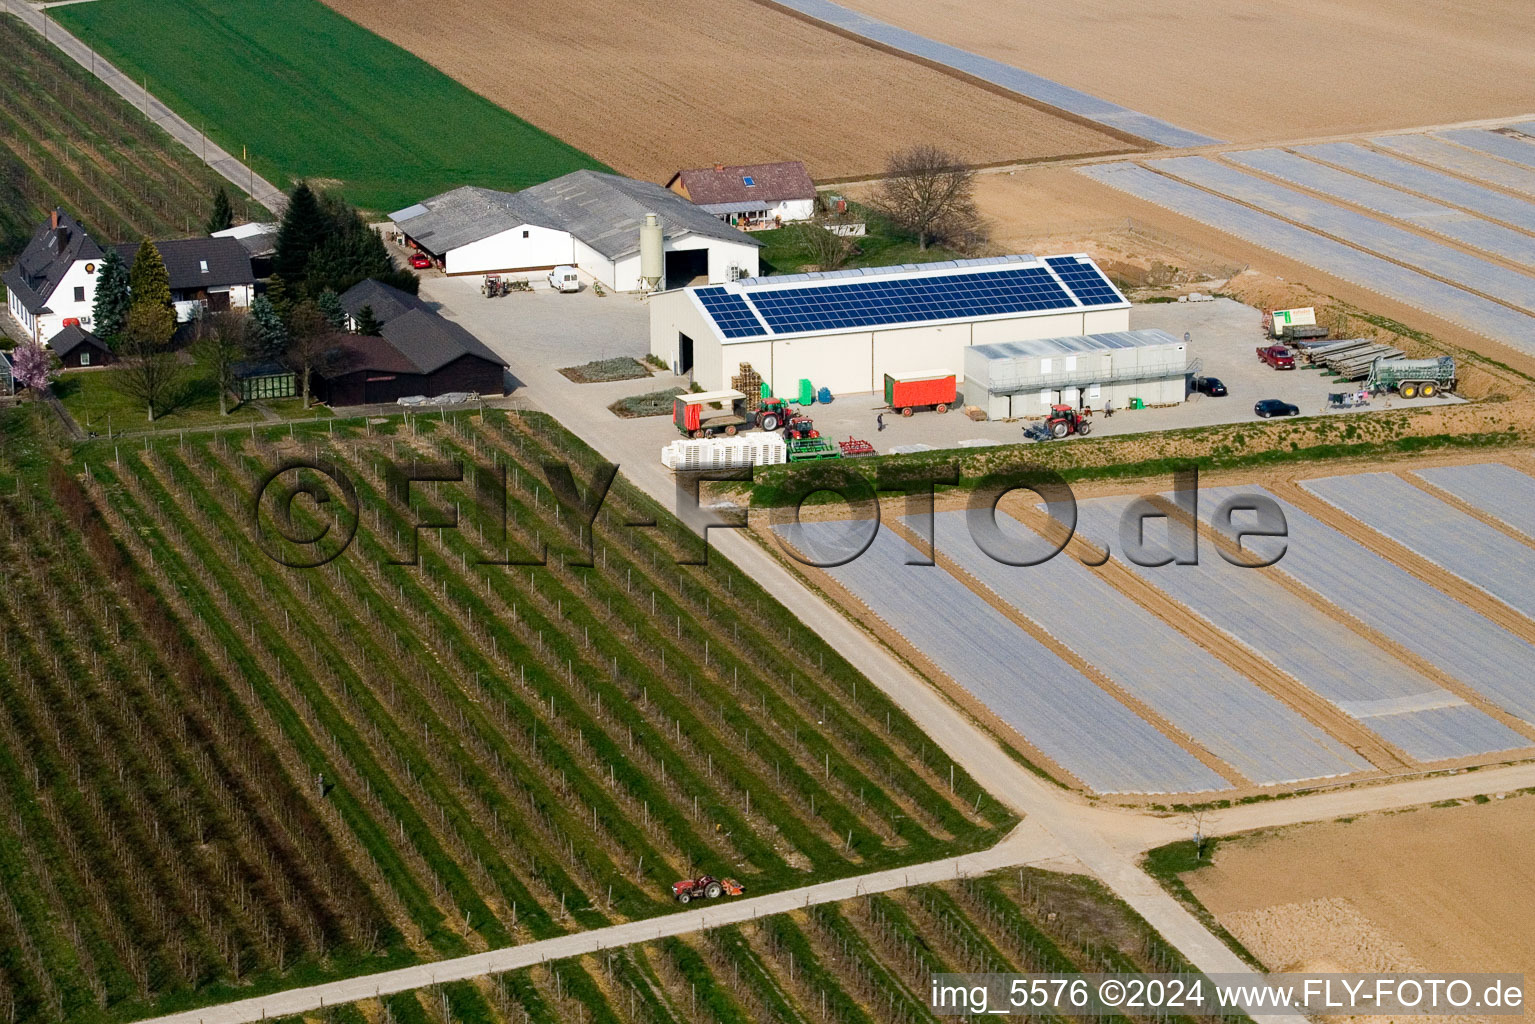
[{"x": 932, "y": 389}]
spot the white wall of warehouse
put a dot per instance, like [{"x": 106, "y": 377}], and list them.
[
  {"x": 597, "y": 266},
  {"x": 509, "y": 251},
  {"x": 854, "y": 362}
]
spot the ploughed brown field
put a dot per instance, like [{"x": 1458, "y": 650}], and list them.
[
  {"x": 1257, "y": 70},
  {"x": 650, "y": 87},
  {"x": 1439, "y": 888}
]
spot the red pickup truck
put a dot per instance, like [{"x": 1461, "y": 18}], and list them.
[{"x": 1277, "y": 356}]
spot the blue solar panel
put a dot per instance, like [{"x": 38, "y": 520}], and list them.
[
  {"x": 951, "y": 297},
  {"x": 1085, "y": 282},
  {"x": 730, "y": 313}
]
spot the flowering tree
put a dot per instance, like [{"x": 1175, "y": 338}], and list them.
[{"x": 32, "y": 367}]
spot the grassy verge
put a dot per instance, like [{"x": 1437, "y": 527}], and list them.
[
  {"x": 1232, "y": 447},
  {"x": 326, "y": 99},
  {"x": 1168, "y": 864}
]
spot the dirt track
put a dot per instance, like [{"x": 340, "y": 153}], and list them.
[
  {"x": 1254, "y": 70},
  {"x": 651, "y": 87}
]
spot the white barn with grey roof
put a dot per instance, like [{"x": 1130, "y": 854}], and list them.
[
  {"x": 846, "y": 330},
  {"x": 585, "y": 219}
]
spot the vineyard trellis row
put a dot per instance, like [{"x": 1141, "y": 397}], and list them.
[
  {"x": 74, "y": 142},
  {"x": 216, "y": 771}
]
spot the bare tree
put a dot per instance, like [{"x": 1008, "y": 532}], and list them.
[
  {"x": 221, "y": 344},
  {"x": 150, "y": 375},
  {"x": 309, "y": 339},
  {"x": 927, "y": 191},
  {"x": 826, "y": 249},
  {"x": 1198, "y": 819}
]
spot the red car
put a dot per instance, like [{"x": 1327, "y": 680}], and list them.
[
  {"x": 421, "y": 261},
  {"x": 1277, "y": 356}
]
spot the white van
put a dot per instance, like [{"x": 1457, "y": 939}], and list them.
[{"x": 564, "y": 279}]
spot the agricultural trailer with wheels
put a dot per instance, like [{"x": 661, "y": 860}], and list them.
[
  {"x": 1412, "y": 378},
  {"x": 696, "y": 416},
  {"x": 930, "y": 389}
]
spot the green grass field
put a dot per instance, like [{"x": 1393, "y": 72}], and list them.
[
  {"x": 97, "y": 403},
  {"x": 310, "y": 94},
  {"x": 885, "y": 245}
]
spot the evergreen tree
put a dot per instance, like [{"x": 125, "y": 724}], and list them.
[
  {"x": 267, "y": 336},
  {"x": 150, "y": 326},
  {"x": 151, "y": 317},
  {"x": 351, "y": 252},
  {"x": 109, "y": 313},
  {"x": 367, "y": 322},
  {"x": 329, "y": 305},
  {"x": 304, "y": 229},
  {"x": 223, "y": 216},
  {"x": 148, "y": 281}
]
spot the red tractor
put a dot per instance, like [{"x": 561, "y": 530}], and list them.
[
  {"x": 773, "y": 413},
  {"x": 706, "y": 888},
  {"x": 798, "y": 428},
  {"x": 1065, "y": 420}
]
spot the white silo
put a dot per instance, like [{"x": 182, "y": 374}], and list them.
[{"x": 652, "y": 256}]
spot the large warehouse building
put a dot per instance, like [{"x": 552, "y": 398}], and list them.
[
  {"x": 1017, "y": 379},
  {"x": 845, "y": 330},
  {"x": 585, "y": 219}
]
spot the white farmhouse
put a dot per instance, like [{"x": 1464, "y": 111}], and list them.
[
  {"x": 584, "y": 219},
  {"x": 53, "y": 283},
  {"x": 750, "y": 196}
]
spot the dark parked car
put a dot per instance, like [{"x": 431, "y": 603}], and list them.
[
  {"x": 1211, "y": 386},
  {"x": 1274, "y": 407}
]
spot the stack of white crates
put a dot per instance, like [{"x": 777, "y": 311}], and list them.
[{"x": 755, "y": 449}]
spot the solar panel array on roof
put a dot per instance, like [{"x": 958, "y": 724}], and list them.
[
  {"x": 1089, "y": 286},
  {"x": 731, "y": 313},
  {"x": 897, "y": 301}
]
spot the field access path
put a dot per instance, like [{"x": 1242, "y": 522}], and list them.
[{"x": 235, "y": 172}]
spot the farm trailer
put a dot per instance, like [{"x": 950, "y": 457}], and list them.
[
  {"x": 694, "y": 416},
  {"x": 930, "y": 389},
  {"x": 1411, "y": 378}
]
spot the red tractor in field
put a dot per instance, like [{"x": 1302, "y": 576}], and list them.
[
  {"x": 706, "y": 888},
  {"x": 1065, "y": 420}
]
